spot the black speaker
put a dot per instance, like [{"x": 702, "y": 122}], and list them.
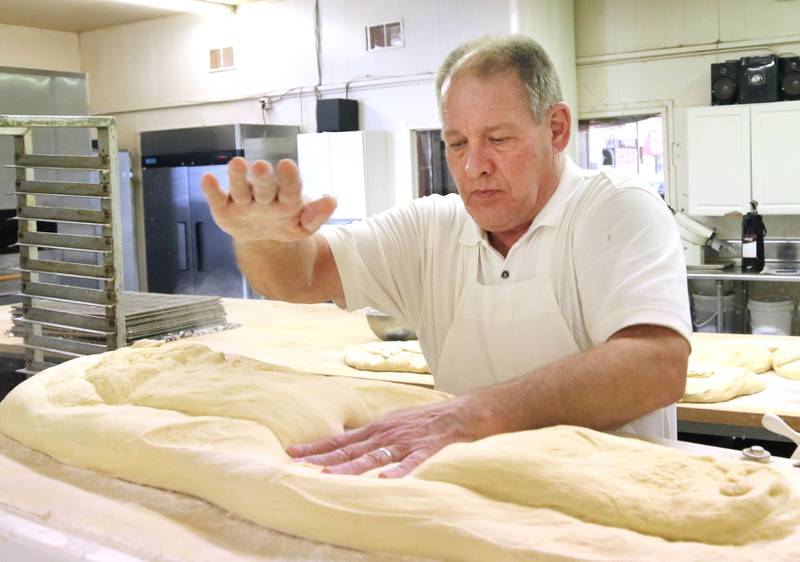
[
  {"x": 758, "y": 79},
  {"x": 336, "y": 114},
  {"x": 789, "y": 78},
  {"x": 724, "y": 82}
]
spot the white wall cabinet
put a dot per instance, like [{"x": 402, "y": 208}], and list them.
[
  {"x": 775, "y": 152},
  {"x": 351, "y": 165},
  {"x": 737, "y": 153}
]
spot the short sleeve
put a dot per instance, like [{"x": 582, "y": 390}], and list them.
[
  {"x": 630, "y": 265},
  {"x": 379, "y": 260}
]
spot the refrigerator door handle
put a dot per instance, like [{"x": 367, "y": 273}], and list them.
[
  {"x": 183, "y": 247},
  {"x": 198, "y": 245}
]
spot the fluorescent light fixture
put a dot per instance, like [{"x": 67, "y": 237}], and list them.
[{"x": 204, "y": 7}]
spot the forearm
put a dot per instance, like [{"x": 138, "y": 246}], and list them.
[
  {"x": 603, "y": 388},
  {"x": 283, "y": 270}
]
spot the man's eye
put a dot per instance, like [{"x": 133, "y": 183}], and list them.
[
  {"x": 498, "y": 140},
  {"x": 456, "y": 145}
]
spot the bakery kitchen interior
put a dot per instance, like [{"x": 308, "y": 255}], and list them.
[{"x": 258, "y": 256}]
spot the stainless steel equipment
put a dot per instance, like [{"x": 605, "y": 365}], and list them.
[
  {"x": 695, "y": 237},
  {"x": 186, "y": 252},
  {"x": 387, "y": 327},
  {"x": 49, "y": 278}
]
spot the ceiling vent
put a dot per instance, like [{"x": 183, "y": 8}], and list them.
[
  {"x": 220, "y": 59},
  {"x": 385, "y": 36}
]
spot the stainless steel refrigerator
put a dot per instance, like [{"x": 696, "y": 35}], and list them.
[{"x": 186, "y": 252}]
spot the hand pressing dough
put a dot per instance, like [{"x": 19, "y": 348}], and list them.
[
  {"x": 403, "y": 356},
  {"x": 786, "y": 362},
  {"x": 756, "y": 358},
  {"x": 718, "y": 383},
  {"x": 182, "y": 417}
]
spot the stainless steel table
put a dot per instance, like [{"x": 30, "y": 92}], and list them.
[{"x": 732, "y": 275}]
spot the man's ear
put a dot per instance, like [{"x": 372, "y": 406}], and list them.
[{"x": 560, "y": 121}]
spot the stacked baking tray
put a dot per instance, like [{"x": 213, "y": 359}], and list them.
[{"x": 147, "y": 315}]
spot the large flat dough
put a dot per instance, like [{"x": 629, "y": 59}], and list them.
[
  {"x": 181, "y": 417},
  {"x": 401, "y": 356}
]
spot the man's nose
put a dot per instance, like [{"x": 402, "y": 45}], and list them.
[{"x": 478, "y": 161}]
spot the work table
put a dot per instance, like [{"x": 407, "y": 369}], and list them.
[
  {"x": 69, "y": 505},
  {"x": 313, "y": 338}
]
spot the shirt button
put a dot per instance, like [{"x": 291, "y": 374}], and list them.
[{"x": 505, "y": 275}]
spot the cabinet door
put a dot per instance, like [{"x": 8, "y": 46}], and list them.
[
  {"x": 775, "y": 149},
  {"x": 314, "y": 162},
  {"x": 167, "y": 231},
  {"x": 348, "y": 174},
  {"x": 718, "y": 159}
]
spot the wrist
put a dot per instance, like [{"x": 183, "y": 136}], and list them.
[{"x": 485, "y": 418}]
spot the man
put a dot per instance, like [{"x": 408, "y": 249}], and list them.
[{"x": 542, "y": 295}]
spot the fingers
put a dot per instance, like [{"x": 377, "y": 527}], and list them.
[
  {"x": 216, "y": 197},
  {"x": 265, "y": 184},
  {"x": 289, "y": 181},
  {"x": 263, "y": 181},
  {"x": 340, "y": 456},
  {"x": 408, "y": 464},
  {"x": 375, "y": 458},
  {"x": 239, "y": 190},
  {"x": 329, "y": 444},
  {"x": 315, "y": 213}
]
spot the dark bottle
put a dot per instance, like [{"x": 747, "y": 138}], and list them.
[{"x": 753, "y": 232}]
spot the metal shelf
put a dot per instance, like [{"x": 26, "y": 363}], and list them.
[
  {"x": 738, "y": 276},
  {"x": 53, "y": 335}
]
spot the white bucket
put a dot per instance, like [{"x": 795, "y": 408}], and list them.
[
  {"x": 705, "y": 312},
  {"x": 773, "y": 318}
]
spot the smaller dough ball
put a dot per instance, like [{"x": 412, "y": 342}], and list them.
[
  {"x": 786, "y": 362},
  {"x": 725, "y": 383},
  {"x": 396, "y": 356},
  {"x": 754, "y": 357}
]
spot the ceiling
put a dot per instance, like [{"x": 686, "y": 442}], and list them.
[{"x": 79, "y": 15}]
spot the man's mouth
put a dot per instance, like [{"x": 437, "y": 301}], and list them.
[{"x": 483, "y": 194}]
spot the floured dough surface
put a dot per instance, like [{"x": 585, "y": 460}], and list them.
[
  {"x": 752, "y": 356},
  {"x": 786, "y": 362},
  {"x": 402, "y": 356},
  {"x": 719, "y": 383},
  {"x": 182, "y": 417}
]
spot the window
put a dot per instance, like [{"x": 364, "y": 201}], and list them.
[
  {"x": 432, "y": 173},
  {"x": 385, "y": 36},
  {"x": 634, "y": 144}
]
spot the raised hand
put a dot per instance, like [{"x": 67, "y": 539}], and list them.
[{"x": 266, "y": 206}]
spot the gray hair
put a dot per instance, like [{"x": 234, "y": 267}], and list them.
[{"x": 493, "y": 54}]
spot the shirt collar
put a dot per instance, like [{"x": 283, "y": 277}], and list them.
[{"x": 550, "y": 215}]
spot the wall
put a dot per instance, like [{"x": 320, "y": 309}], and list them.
[
  {"x": 40, "y": 49},
  {"x": 639, "y": 54},
  {"x": 552, "y": 23},
  {"x": 152, "y": 75}
]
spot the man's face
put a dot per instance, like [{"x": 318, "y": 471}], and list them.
[{"x": 501, "y": 159}]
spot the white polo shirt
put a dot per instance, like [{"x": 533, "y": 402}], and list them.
[{"x": 618, "y": 260}]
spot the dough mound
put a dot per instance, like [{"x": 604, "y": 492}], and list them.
[
  {"x": 619, "y": 482},
  {"x": 786, "y": 362},
  {"x": 756, "y": 358},
  {"x": 185, "y": 418},
  {"x": 402, "y": 356},
  {"x": 718, "y": 383}
]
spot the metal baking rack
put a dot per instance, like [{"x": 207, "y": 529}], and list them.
[{"x": 48, "y": 275}]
